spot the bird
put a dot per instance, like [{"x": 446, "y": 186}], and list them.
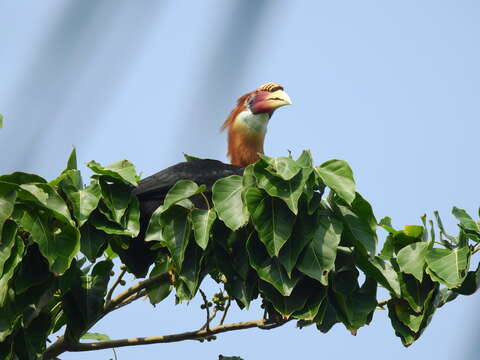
[{"x": 246, "y": 125}]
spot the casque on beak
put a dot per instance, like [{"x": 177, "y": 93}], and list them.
[
  {"x": 277, "y": 99},
  {"x": 268, "y": 102}
]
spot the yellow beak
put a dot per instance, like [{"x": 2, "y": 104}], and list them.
[{"x": 277, "y": 99}]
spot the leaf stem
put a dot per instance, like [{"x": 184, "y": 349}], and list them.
[
  {"x": 115, "y": 284},
  {"x": 226, "y": 310},
  {"x": 205, "y": 301}
]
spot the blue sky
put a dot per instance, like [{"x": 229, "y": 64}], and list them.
[{"x": 391, "y": 87}]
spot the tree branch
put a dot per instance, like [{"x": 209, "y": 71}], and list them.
[
  {"x": 191, "y": 335},
  {"x": 124, "y": 298}
]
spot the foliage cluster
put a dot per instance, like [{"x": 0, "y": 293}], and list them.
[{"x": 294, "y": 234}]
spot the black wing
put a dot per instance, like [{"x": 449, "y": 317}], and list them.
[{"x": 200, "y": 171}]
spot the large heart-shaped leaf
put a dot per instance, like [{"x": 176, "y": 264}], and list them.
[
  {"x": 202, "y": 221},
  {"x": 447, "y": 266},
  {"x": 271, "y": 218},
  {"x": 121, "y": 170},
  {"x": 7, "y": 202},
  {"x": 58, "y": 245},
  {"x": 318, "y": 258},
  {"x": 411, "y": 259},
  {"x": 269, "y": 269},
  {"x": 338, "y": 176},
  {"x": 227, "y": 198}
]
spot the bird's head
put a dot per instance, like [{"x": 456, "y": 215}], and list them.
[
  {"x": 247, "y": 123},
  {"x": 267, "y": 98}
]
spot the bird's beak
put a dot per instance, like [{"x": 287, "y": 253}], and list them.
[{"x": 277, "y": 99}]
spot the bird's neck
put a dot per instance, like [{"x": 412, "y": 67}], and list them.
[
  {"x": 246, "y": 137},
  {"x": 253, "y": 124}
]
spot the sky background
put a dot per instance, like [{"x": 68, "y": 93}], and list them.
[{"x": 391, "y": 87}]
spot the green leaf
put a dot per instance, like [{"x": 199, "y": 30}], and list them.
[
  {"x": 356, "y": 310},
  {"x": 58, "y": 244},
  {"x": 22, "y": 178},
  {"x": 386, "y": 223},
  {"x": 388, "y": 248},
  {"x": 409, "y": 325},
  {"x": 1, "y": 121},
  {"x": 289, "y": 191},
  {"x": 35, "y": 335},
  {"x": 471, "y": 283},
  {"x": 159, "y": 292},
  {"x": 116, "y": 197},
  {"x": 269, "y": 269},
  {"x": 284, "y": 167},
  {"x": 95, "y": 336},
  {"x": 415, "y": 292},
  {"x": 190, "y": 273},
  {"x": 183, "y": 189},
  {"x": 83, "y": 201},
  {"x": 453, "y": 239},
  {"x": 72, "y": 160},
  {"x": 466, "y": 221},
  {"x": 411, "y": 259},
  {"x": 191, "y": 157},
  {"x": 121, "y": 170},
  {"x": 338, "y": 176},
  {"x": 318, "y": 258},
  {"x": 83, "y": 296},
  {"x": 449, "y": 267},
  {"x": 46, "y": 196},
  {"x": 380, "y": 270},
  {"x": 285, "y": 305},
  {"x": 172, "y": 228},
  {"x": 303, "y": 232},
  {"x": 360, "y": 221},
  {"x": 7, "y": 202},
  {"x": 328, "y": 317},
  {"x": 92, "y": 242},
  {"x": 271, "y": 218},
  {"x": 12, "y": 262},
  {"x": 316, "y": 296},
  {"x": 8, "y": 241},
  {"x": 33, "y": 271},
  {"x": 202, "y": 221},
  {"x": 227, "y": 198}
]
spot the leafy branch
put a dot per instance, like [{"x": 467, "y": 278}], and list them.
[{"x": 270, "y": 234}]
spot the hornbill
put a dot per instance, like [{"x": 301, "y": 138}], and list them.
[{"x": 247, "y": 127}]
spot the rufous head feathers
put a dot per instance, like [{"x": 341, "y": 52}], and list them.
[{"x": 247, "y": 123}]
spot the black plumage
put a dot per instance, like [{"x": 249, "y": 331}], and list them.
[{"x": 151, "y": 193}]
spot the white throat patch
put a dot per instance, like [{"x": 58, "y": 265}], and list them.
[{"x": 255, "y": 122}]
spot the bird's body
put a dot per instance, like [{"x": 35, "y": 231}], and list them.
[{"x": 247, "y": 127}]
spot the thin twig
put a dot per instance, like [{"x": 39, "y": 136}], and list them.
[
  {"x": 381, "y": 304},
  {"x": 205, "y": 301},
  {"x": 475, "y": 249},
  {"x": 115, "y": 284},
  {"x": 191, "y": 335},
  {"x": 225, "y": 312},
  {"x": 214, "y": 313}
]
